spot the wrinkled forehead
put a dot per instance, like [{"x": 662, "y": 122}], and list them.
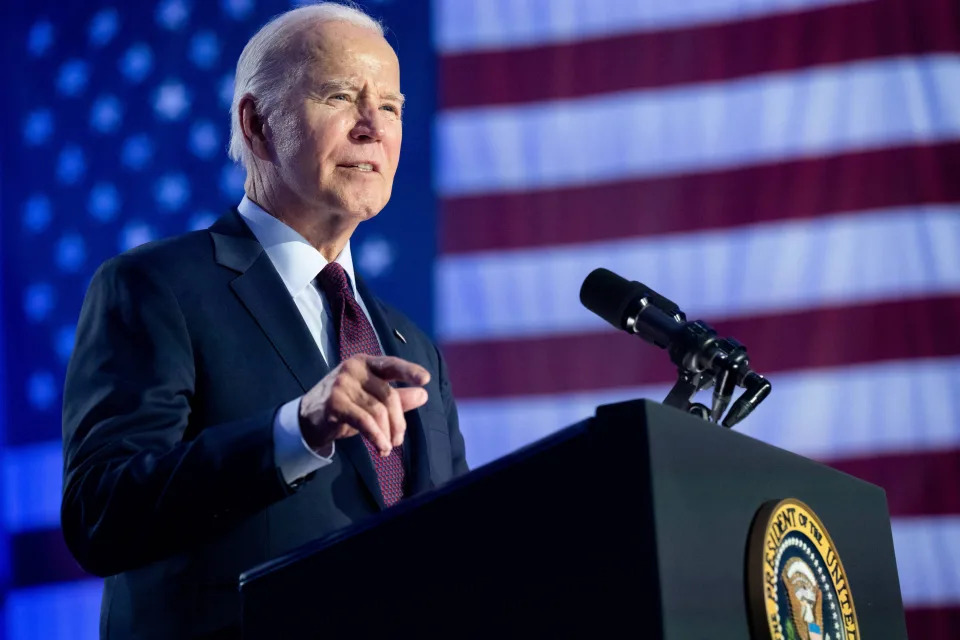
[{"x": 336, "y": 50}]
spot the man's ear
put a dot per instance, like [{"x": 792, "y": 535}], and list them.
[{"x": 254, "y": 127}]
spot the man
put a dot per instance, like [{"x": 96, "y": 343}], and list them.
[{"x": 237, "y": 392}]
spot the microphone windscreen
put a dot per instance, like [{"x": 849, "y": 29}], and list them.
[{"x": 609, "y": 295}]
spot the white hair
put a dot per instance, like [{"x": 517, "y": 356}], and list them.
[{"x": 267, "y": 68}]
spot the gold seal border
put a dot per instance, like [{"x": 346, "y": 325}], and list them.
[{"x": 774, "y": 520}]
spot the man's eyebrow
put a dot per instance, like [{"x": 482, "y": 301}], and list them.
[
  {"x": 336, "y": 85},
  {"x": 396, "y": 97},
  {"x": 332, "y": 86}
]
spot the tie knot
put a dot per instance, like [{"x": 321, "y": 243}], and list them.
[{"x": 333, "y": 281}]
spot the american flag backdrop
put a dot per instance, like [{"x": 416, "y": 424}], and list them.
[
  {"x": 787, "y": 170},
  {"x": 116, "y": 134}
]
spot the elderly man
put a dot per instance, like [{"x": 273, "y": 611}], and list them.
[{"x": 237, "y": 392}]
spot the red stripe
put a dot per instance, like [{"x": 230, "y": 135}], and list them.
[
  {"x": 817, "y": 186},
  {"x": 933, "y": 623},
  {"x": 700, "y": 54},
  {"x": 917, "y": 484},
  {"x": 821, "y": 337}
]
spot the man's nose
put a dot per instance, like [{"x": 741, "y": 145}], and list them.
[{"x": 370, "y": 126}]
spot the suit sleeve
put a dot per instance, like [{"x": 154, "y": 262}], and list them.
[
  {"x": 136, "y": 488},
  {"x": 457, "y": 446}
]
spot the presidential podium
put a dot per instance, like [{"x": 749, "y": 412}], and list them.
[{"x": 633, "y": 523}]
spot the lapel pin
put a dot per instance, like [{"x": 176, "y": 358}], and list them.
[{"x": 397, "y": 333}]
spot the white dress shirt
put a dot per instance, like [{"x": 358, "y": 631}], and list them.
[{"x": 298, "y": 264}]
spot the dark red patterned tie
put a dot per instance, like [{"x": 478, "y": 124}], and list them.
[{"x": 355, "y": 335}]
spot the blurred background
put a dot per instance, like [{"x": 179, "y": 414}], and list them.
[{"x": 788, "y": 170}]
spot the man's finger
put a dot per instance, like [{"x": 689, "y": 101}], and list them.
[
  {"x": 381, "y": 416},
  {"x": 361, "y": 420},
  {"x": 355, "y": 409},
  {"x": 388, "y": 396},
  {"x": 394, "y": 369},
  {"x": 412, "y": 397}
]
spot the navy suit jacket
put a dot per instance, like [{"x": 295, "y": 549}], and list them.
[{"x": 185, "y": 350}]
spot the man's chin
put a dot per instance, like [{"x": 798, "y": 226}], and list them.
[
  {"x": 359, "y": 211},
  {"x": 362, "y": 208}
]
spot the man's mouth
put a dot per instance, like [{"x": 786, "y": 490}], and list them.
[{"x": 361, "y": 166}]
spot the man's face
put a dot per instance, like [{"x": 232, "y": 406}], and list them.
[{"x": 338, "y": 143}]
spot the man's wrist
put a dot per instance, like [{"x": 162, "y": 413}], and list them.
[
  {"x": 309, "y": 435},
  {"x": 293, "y": 455}
]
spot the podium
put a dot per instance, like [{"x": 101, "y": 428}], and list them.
[{"x": 633, "y": 523}]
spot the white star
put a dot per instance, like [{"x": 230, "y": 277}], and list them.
[
  {"x": 137, "y": 151},
  {"x": 38, "y": 127},
  {"x": 71, "y": 252},
  {"x": 172, "y": 14},
  {"x": 171, "y": 100},
  {"x": 40, "y": 37},
  {"x": 63, "y": 341},
  {"x": 135, "y": 234},
  {"x": 136, "y": 63},
  {"x": 201, "y": 220},
  {"x": 172, "y": 191},
  {"x": 103, "y": 26},
  {"x": 72, "y": 78},
  {"x": 71, "y": 165},
  {"x": 42, "y": 390},
  {"x": 204, "y": 140},
  {"x": 225, "y": 91},
  {"x": 105, "y": 114},
  {"x": 204, "y": 49},
  {"x": 375, "y": 256},
  {"x": 37, "y": 213},
  {"x": 237, "y": 9},
  {"x": 38, "y": 301},
  {"x": 104, "y": 201}
]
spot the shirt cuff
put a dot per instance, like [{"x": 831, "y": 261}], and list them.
[{"x": 292, "y": 455}]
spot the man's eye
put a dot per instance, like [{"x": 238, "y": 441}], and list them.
[
  {"x": 340, "y": 96},
  {"x": 391, "y": 108}
]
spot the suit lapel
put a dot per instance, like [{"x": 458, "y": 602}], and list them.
[
  {"x": 416, "y": 461},
  {"x": 355, "y": 451},
  {"x": 263, "y": 293}
]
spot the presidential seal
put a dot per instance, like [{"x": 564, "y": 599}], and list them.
[{"x": 797, "y": 588}]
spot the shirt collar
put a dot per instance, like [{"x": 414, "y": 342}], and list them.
[{"x": 295, "y": 259}]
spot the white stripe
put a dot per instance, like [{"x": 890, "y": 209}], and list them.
[
  {"x": 797, "y": 264},
  {"x": 826, "y": 414},
  {"x": 864, "y": 105},
  {"x": 55, "y": 612},
  {"x": 928, "y": 560},
  {"x": 843, "y": 412},
  {"x": 470, "y": 25},
  {"x": 32, "y": 482}
]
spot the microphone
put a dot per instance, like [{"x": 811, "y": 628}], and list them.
[
  {"x": 632, "y": 307},
  {"x": 639, "y": 310},
  {"x": 693, "y": 346}
]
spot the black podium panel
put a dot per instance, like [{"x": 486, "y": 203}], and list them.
[
  {"x": 707, "y": 483},
  {"x": 633, "y": 523}
]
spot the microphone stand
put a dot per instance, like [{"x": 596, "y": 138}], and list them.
[{"x": 704, "y": 360}]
